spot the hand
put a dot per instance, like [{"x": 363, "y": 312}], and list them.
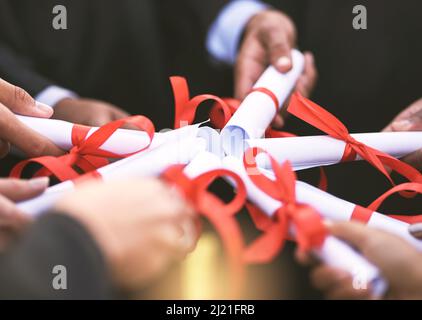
[
  {"x": 409, "y": 120},
  {"x": 16, "y": 100},
  {"x": 12, "y": 220},
  {"x": 399, "y": 263},
  {"x": 89, "y": 112},
  {"x": 140, "y": 231},
  {"x": 269, "y": 38}
]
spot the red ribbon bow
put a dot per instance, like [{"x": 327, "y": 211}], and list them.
[
  {"x": 220, "y": 215},
  {"x": 86, "y": 154},
  {"x": 320, "y": 118},
  {"x": 309, "y": 228}
]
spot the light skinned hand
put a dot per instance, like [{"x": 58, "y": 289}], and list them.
[
  {"x": 88, "y": 112},
  {"x": 141, "y": 226},
  {"x": 269, "y": 38},
  {"x": 13, "y": 132},
  {"x": 399, "y": 263},
  {"x": 409, "y": 120},
  {"x": 12, "y": 220}
]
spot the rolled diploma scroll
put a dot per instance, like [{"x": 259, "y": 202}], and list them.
[
  {"x": 257, "y": 111},
  {"x": 123, "y": 141},
  {"x": 334, "y": 252},
  {"x": 151, "y": 163},
  {"x": 315, "y": 151},
  {"x": 337, "y": 209}
]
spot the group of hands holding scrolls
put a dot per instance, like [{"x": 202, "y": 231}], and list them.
[{"x": 151, "y": 226}]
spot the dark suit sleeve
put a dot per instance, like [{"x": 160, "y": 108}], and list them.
[
  {"x": 26, "y": 269},
  {"x": 15, "y": 67},
  {"x": 207, "y": 11},
  {"x": 18, "y": 70}
]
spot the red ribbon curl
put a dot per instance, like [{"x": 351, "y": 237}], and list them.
[
  {"x": 220, "y": 215},
  {"x": 364, "y": 214}
]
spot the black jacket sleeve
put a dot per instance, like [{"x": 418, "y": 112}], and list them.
[
  {"x": 15, "y": 66},
  {"x": 26, "y": 269},
  {"x": 18, "y": 70}
]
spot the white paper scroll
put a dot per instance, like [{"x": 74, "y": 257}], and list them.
[
  {"x": 123, "y": 141},
  {"x": 257, "y": 111},
  {"x": 150, "y": 163},
  {"x": 334, "y": 252},
  {"x": 332, "y": 208},
  {"x": 315, "y": 151}
]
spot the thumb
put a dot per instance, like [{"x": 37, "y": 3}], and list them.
[
  {"x": 354, "y": 233},
  {"x": 414, "y": 159},
  {"x": 19, "y": 101},
  {"x": 279, "y": 50}
]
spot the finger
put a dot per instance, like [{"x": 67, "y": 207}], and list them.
[
  {"x": 26, "y": 139},
  {"x": 190, "y": 233},
  {"x": 352, "y": 232},
  {"x": 326, "y": 278},
  {"x": 18, "y": 190},
  {"x": 8, "y": 210},
  {"x": 278, "y": 122},
  {"x": 250, "y": 65},
  {"x": 4, "y": 148},
  {"x": 308, "y": 79},
  {"x": 278, "y": 47},
  {"x": 407, "y": 120},
  {"x": 169, "y": 239},
  {"x": 99, "y": 120},
  {"x": 414, "y": 159},
  {"x": 117, "y": 114},
  {"x": 416, "y": 230},
  {"x": 20, "y": 102},
  {"x": 306, "y": 258},
  {"x": 12, "y": 223},
  {"x": 345, "y": 291},
  {"x": 404, "y": 125}
]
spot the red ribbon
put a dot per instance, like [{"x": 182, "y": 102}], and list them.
[
  {"x": 320, "y": 118},
  {"x": 86, "y": 154},
  {"x": 220, "y": 215},
  {"x": 309, "y": 228},
  {"x": 364, "y": 214},
  {"x": 185, "y": 107},
  {"x": 220, "y": 113},
  {"x": 270, "y": 94}
]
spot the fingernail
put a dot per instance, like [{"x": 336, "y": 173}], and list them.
[
  {"x": 283, "y": 62},
  {"x": 43, "y": 107},
  {"x": 39, "y": 183},
  {"x": 402, "y": 125},
  {"x": 328, "y": 223},
  {"x": 416, "y": 230}
]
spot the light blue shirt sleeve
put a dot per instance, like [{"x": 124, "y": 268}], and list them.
[
  {"x": 52, "y": 95},
  {"x": 225, "y": 33}
]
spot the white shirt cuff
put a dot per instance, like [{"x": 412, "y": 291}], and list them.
[
  {"x": 224, "y": 35},
  {"x": 54, "y": 94}
]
